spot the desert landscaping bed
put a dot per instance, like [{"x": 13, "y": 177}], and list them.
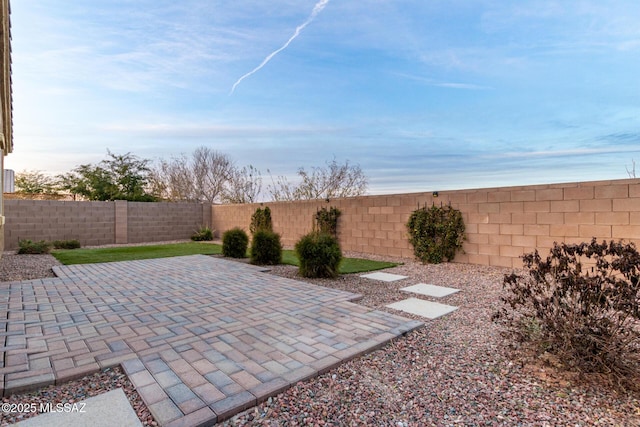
[{"x": 456, "y": 370}]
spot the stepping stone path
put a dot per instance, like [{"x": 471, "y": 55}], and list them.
[
  {"x": 419, "y": 307},
  {"x": 430, "y": 290},
  {"x": 385, "y": 277},
  {"x": 104, "y": 410},
  {"x": 424, "y": 308}
]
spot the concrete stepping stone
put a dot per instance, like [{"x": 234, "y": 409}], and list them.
[
  {"x": 385, "y": 277},
  {"x": 430, "y": 290},
  {"x": 105, "y": 410},
  {"x": 420, "y": 307}
]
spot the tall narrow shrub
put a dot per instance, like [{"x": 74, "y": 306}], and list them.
[
  {"x": 326, "y": 220},
  {"x": 261, "y": 220}
]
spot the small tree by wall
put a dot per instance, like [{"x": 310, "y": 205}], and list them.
[
  {"x": 261, "y": 220},
  {"x": 326, "y": 221}
]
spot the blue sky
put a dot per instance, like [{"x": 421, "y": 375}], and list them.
[{"x": 423, "y": 95}]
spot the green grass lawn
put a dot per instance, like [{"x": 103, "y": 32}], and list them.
[
  {"x": 128, "y": 253},
  {"x": 347, "y": 266}
]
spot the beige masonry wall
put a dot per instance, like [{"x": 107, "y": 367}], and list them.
[
  {"x": 101, "y": 223},
  {"x": 502, "y": 223},
  {"x": 154, "y": 222}
]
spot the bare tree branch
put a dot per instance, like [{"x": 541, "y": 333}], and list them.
[
  {"x": 244, "y": 185},
  {"x": 201, "y": 177},
  {"x": 632, "y": 172},
  {"x": 334, "y": 180}
]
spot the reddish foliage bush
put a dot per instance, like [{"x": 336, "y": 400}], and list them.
[{"x": 581, "y": 303}]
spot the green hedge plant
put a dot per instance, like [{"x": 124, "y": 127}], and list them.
[
  {"x": 319, "y": 255},
  {"x": 436, "y": 233},
  {"x": 234, "y": 243},
  {"x": 28, "y": 247},
  {"x": 66, "y": 244},
  {"x": 266, "y": 248}
]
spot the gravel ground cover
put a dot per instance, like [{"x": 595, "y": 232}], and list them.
[{"x": 455, "y": 371}]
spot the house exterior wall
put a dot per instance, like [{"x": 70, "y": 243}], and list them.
[
  {"x": 502, "y": 224},
  {"x": 6, "y": 136}
]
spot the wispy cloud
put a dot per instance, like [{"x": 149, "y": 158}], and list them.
[
  {"x": 468, "y": 86},
  {"x": 561, "y": 153},
  {"x": 450, "y": 85},
  {"x": 320, "y": 5},
  {"x": 171, "y": 131}
]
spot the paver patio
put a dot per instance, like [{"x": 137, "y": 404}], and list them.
[{"x": 201, "y": 338}]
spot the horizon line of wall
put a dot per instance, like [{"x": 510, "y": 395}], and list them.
[{"x": 502, "y": 223}]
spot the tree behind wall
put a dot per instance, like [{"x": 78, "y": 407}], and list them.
[
  {"x": 200, "y": 177},
  {"x": 119, "y": 177},
  {"x": 333, "y": 181},
  {"x": 244, "y": 186},
  {"x": 35, "y": 182}
]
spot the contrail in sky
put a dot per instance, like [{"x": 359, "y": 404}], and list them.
[{"x": 316, "y": 10}]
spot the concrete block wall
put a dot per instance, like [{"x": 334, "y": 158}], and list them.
[
  {"x": 92, "y": 223},
  {"x": 101, "y": 223},
  {"x": 156, "y": 222},
  {"x": 502, "y": 223}
]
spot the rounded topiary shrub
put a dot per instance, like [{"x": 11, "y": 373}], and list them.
[
  {"x": 266, "y": 248},
  {"x": 319, "y": 255},
  {"x": 235, "y": 243}
]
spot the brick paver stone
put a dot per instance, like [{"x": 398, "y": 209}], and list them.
[{"x": 201, "y": 338}]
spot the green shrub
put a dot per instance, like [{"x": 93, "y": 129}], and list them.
[
  {"x": 33, "y": 248},
  {"x": 66, "y": 244},
  {"x": 266, "y": 248},
  {"x": 261, "y": 220},
  {"x": 581, "y": 304},
  {"x": 204, "y": 233},
  {"x": 326, "y": 220},
  {"x": 319, "y": 255},
  {"x": 235, "y": 243},
  {"x": 436, "y": 233}
]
